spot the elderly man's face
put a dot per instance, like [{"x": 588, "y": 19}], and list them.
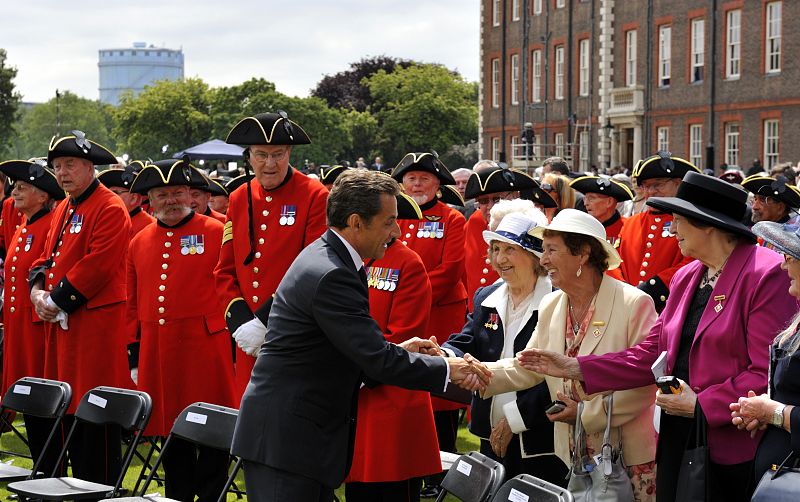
[
  {"x": 461, "y": 182},
  {"x": 420, "y": 186},
  {"x": 270, "y": 164},
  {"x": 170, "y": 204},
  {"x": 73, "y": 174},
  {"x": 200, "y": 199}
]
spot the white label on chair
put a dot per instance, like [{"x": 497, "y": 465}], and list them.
[
  {"x": 97, "y": 401},
  {"x": 22, "y": 389},
  {"x": 196, "y": 418},
  {"x": 517, "y": 496},
  {"x": 464, "y": 467}
]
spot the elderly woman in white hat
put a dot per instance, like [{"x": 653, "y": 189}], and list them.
[
  {"x": 591, "y": 313},
  {"x": 512, "y": 426}
]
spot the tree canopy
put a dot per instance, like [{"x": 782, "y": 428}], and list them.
[
  {"x": 9, "y": 102},
  {"x": 346, "y": 89}
]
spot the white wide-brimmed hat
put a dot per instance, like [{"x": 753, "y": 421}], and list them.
[
  {"x": 515, "y": 228},
  {"x": 578, "y": 222}
]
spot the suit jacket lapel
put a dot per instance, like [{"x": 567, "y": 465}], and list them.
[
  {"x": 603, "y": 308},
  {"x": 344, "y": 255}
]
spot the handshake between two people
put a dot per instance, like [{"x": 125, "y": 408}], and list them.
[{"x": 467, "y": 372}]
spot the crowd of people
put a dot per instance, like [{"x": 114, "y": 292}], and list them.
[{"x": 355, "y": 295}]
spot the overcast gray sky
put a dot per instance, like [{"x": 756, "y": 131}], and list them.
[{"x": 54, "y": 44}]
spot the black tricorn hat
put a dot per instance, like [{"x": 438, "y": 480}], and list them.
[
  {"x": 603, "y": 186},
  {"x": 328, "y": 174},
  {"x": 213, "y": 187},
  {"x": 168, "y": 172},
  {"x": 122, "y": 178},
  {"x": 663, "y": 165},
  {"x": 76, "y": 145},
  {"x": 710, "y": 200},
  {"x": 34, "y": 172},
  {"x": 237, "y": 182},
  {"x": 775, "y": 187},
  {"x": 496, "y": 179},
  {"x": 407, "y": 209},
  {"x": 268, "y": 129},
  {"x": 425, "y": 161},
  {"x": 450, "y": 195}
]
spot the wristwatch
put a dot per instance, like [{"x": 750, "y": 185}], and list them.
[{"x": 777, "y": 415}]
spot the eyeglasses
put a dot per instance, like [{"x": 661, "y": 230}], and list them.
[
  {"x": 484, "y": 201},
  {"x": 655, "y": 186},
  {"x": 287, "y": 125},
  {"x": 80, "y": 140},
  {"x": 765, "y": 199},
  {"x": 262, "y": 157}
]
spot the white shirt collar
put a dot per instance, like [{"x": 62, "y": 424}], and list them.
[
  {"x": 497, "y": 299},
  {"x": 357, "y": 261}
]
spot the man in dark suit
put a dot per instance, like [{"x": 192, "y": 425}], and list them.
[{"x": 296, "y": 425}]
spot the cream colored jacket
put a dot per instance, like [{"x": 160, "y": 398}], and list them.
[{"x": 622, "y": 318}]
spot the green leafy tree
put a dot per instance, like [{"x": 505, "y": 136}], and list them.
[
  {"x": 170, "y": 112},
  {"x": 422, "y": 107},
  {"x": 229, "y": 105},
  {"x": 57, "y": 117},
  {"x": 9, "y": 102},
  {"x": 363, "y": 127}
]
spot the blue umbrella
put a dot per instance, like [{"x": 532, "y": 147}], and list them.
[{"x": 214, "y": 149}]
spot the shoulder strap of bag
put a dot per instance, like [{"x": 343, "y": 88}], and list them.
[
  {"x": 700, "y": 434},
  {"x": 579, "y": 442},
  {"x": 784, "y": 467},
  {"x": 607, "y": 452}
]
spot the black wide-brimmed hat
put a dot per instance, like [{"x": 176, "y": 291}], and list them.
[
  {"x": 76, "y": 145},
  {"x": 407, "y": 209},
  {"x": 213, "y": 187},
  {"x": 663, "y": 165},
  {"x": 450, "y": 195},
  {"x": 776, "y": 187},
  {"x": 328, "y": 174},
  {"x": 784, "y": 237},
  {"x": 268, "y": 129},
  {"x": 423, "y": 161},
  {"x": 34, "y": 172},
  {"x": 237, "y": 182},
  {"x": 603, "y": 186},
  {"x": 168, "y": 172},
  {"x": 122, "y": 178},
  {"x": 710, "y": 200}
]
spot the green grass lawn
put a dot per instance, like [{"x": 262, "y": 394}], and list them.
[{"x": 10, "y": 442}]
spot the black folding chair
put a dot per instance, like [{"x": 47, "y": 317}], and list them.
[
  {"x": 203, "y": 424},
  {"x": 34, "y": 397},
  {"x": 474, "y": 477},
  {"x": 533, "y": 489},
  {"x": 129, "y": 409}
]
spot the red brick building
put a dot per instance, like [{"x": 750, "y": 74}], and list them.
[{"x": 606, "y": 82}]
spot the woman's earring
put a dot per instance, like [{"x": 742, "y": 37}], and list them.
[{"x": 580, "y": 271}]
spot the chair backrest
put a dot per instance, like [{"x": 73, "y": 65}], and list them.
[
  {"x": 532, "y": 489},
  {"x": 474, "y": 477},
  {"x": 207, "y": 425},
  {"x": 130, "y": 409},
  {"x": 38, "y": 397}
]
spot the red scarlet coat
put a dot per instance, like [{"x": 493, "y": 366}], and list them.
[
  {"x": 444, "y": 261},
  {"x": 650, "y": 254},
  {"x": 243, "y": 288},
  {"x": 184, "y": 353},
  {"x": 614, "y": 227},
  {"x": 139, "y": 220},
  {"x": 478, "y": 271},
  {"x": 216, "y": 215},
  {"x": 395, "y": 433},
  {"x": 23, "y": 342},
  {"x": 10, "y": 219},
  {"x": 87, "y": 281}
]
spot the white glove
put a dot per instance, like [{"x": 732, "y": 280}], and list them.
[
  {"x": 249, "y": 336},
  {"x": 135, "y": 375},
  {"x": 61, "y": 317}
]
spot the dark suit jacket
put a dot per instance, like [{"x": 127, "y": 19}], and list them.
[
  {"x": 486, "y": 343},
  {"x": 298, "y": 412}
]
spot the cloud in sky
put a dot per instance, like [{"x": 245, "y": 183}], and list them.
[{"x": 55, "y": 44}]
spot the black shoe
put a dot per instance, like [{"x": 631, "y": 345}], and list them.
[{"x": 430, "y": 491}]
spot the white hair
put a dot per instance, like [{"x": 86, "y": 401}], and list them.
[{"x": 506, "y": 207}]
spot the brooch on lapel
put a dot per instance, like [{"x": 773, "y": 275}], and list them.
[
  {"x": 597, "y": 325},
  {"x": 718, "y": 306},
  {"x": 492, "y": 324}
]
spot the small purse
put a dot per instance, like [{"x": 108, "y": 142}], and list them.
[
  {"x": 605, "y": 482},
  {"x": 693, "y": 474},
  {"x": 780, "y": 485}
]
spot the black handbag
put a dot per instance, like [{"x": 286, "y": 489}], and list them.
[
  {"x": 693, "y": 474},
  {"x": 779, "y": 485}
]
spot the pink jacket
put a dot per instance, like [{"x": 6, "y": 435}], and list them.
[{"x": 730, "y": 352}]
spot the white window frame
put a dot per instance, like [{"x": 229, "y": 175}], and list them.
[
  {"x": 559, "y": 91},
  {"x": 515, "y": 10},
  {"x": 698, "y": 49},
  {"x": 583, "y": 155},
  {"x": 696, "y": 144},
  {"x": 496, "y": 149},
  {"x": 583, "y": 71},
  {"x": 495, "y": 83},
  {"x": 732, "y": 137},
  {"x": 733, "y": 46},
  {"x": 630, "y": 58},
  {"x": 560, "y": 4},
  {"x": 515, "y": 79},
  {"x": 536, "y": 68},
  {"x": 495, "y": 12},
  {"x": 662, "y": 138},
  {"x": 664, "y": 55},
  {"x": 537, "y": 7},
  {"x": 559, "y": 140},
  {"x": 517, "y": 152},
  {"x": 537, "y": 146},
  {"x": 772, "y": 34},
  {"x": 771, "y": 143}
]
